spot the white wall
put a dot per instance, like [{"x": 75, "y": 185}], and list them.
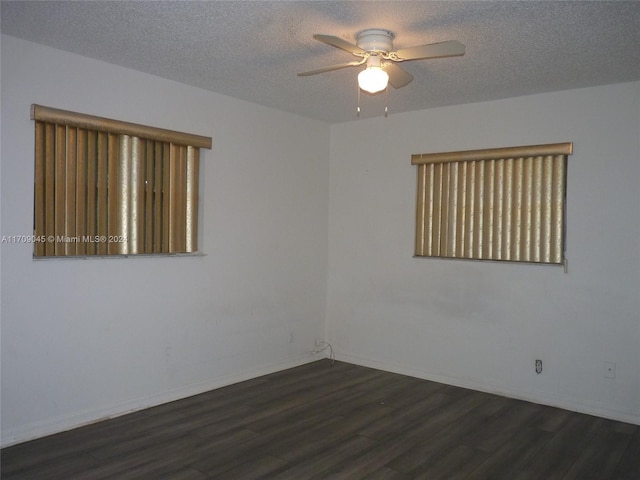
[
  {"x": 482, "y": 325},
  {"x": 84, "y": 339}
]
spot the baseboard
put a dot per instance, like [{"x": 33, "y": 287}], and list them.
[
  {"x": 12, "y": 436},
  {"x": 481, "y": 387}
]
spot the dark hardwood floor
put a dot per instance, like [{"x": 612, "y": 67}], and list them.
[{"x": 320, "y": 421}]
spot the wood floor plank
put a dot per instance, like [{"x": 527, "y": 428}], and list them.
[
  {"x": 432, "y": 446},
  {"x": 252, "y": 468},
  {"x": 336, "y": 421},
  {"x": 321, "y": 462},
  {"x": 309, "y": 442},
  {"x": 386, "y": 473},
  {"x": 629, "y": 466},
  {"x": 56, "y": 468},
  {"x": 514, "y": 457},
  {"x": 458, "y": 462},
  {"x": 600, "y": 454},
  {"x": 500, "y": 428},
  {"x": 552, "y": 419},
  {"x": 185, "y": 474},
  {"x": 368, "y": 462},
  {"x": 558, "y": 455}
]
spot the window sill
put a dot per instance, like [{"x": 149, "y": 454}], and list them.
[{"x": 136, "y": 255}]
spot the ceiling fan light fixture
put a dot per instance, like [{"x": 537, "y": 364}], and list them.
[{"x": 373, "y": 79}]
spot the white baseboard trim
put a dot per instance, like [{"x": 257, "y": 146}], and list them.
[
  {"x": 12, "y": 436},
  {"x": 481, "y": 387}
]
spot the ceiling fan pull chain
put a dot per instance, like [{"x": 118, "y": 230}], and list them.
[
  {"x": 358, "y": 103},
  {"x": 386, "y": 107}
]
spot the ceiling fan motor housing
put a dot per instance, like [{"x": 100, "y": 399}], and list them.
[{"x": 375, "y": 40}]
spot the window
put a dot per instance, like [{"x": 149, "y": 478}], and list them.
[
  {"x": 496, "y": 204},
  {"x": 106, "y": 187}
]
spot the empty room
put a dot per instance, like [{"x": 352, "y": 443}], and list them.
[{"x": 320, "y": 239}]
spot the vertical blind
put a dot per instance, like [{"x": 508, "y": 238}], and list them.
[
  {"x": 106, "y": 187},
  {"x": 496, "y": 204}
]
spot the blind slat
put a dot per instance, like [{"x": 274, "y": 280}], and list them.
[
  {"x": 158, "y": 216},
  {"x": 181, "y": 201},
  {"x": 81, "y": 191},
  {"x": 70, "y": 193},
  {"x": 39, "y": 215},
  {"x": 60, "y": 188},
  {"x": 192, "y": 192},
  {"x": 92, "y": 190},
  {"x": 103, "y": 179},
  {"x": 167, "y": 159},
  {"x": 49, "y": 188},
  {"x": 148, "y": 196},
  {"x": 421, "y": 213},
  {"x": 114, "y": 201}
]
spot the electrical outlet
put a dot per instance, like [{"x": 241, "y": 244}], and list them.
[
  {"x": 609, "y": 369},
  {"x": 538, "y": 367}
]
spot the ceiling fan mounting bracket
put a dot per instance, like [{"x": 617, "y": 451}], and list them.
[{"x": 375, "y": 40}]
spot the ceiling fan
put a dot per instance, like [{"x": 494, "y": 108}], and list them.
[{"x": 374, "y": 47}]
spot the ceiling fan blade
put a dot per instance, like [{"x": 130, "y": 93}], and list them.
[
  {"x": 339, "y": 43},
  {"x": 398, "y": 77},
  {"x": 451, "y": 48},
  {"x": 329, "y": 68}
]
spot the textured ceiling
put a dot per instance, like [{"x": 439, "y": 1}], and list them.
[{"x": 253, "y": 50}]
